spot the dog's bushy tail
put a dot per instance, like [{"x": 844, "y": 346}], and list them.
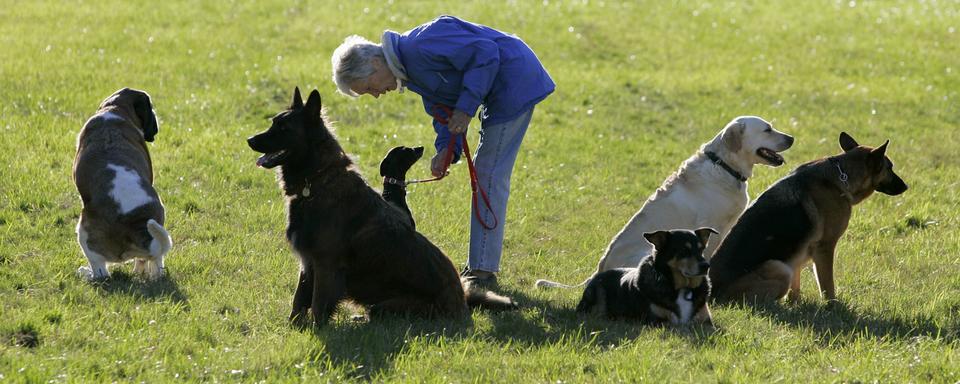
[
  {"x": 478, "y": 297},
  {"x": 542, "y": 283},
  {"x": 161, "y": 242}
]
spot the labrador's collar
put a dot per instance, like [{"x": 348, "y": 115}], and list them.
[{"x": 726, "y": 167}]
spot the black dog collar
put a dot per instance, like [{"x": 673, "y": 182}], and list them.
[
  {"x": 733, "y": 172},
  {"x": 390, "y": 180}
]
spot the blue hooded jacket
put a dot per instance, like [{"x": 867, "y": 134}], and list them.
[{"x": 460, "y": 64}]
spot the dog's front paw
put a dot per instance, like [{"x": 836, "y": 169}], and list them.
[{"x": 835, "y": 305}]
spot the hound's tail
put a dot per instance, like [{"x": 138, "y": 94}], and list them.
[
  {"x": 478, "y": 297},
  {"x": 161, "y": 242},
  {"x": 553, "y": 284}
]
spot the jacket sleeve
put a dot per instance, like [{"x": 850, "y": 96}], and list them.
[
  {"x": 476, "y": 57},
  {"x": 443, "y": 133}
]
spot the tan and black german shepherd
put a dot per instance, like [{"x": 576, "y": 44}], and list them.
[
  {"x": 351, "y": 242},
  {"x": 798, "y": 219}
]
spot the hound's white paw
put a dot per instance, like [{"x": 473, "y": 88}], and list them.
[
  {"x": 153, "y": 270},
  {"x": 89, "y": 274}
]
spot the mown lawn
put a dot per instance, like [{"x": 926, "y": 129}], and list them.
[{"x": 640, "y": 86}]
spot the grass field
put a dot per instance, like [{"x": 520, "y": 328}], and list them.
[{"x": 639, "y": 86}]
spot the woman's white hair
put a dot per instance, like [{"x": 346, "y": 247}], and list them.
[{"x": 352, "y": 61}]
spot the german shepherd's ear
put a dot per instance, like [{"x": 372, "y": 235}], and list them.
[
  {"x": 878, "y": 152},
  {"x": 732, "y": 136},
  {"x": 847, "y": 142},
  {"x": 313, "y": 104},
  {"x": 704, "y": 234},
  {"x": 658, "y": 238},
  {"x": 297, "y": 100},
  {"x": 144, "y": 109}
]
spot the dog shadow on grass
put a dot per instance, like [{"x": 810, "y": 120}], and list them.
[
  {"x": 551, "y": 323},
  {"x": 123, "y": 283},
  {"x": 365, "y": 348},
  {"x": 840, "y": 319},
  {"x": 368, "y": 348}
]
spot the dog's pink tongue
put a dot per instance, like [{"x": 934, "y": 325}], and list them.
[{"x": 261, "y": 160}]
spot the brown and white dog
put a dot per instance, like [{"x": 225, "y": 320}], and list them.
[{"x": 122, "y": 217}]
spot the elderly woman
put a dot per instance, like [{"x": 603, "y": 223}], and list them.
[{"x": 457, "y": 66}]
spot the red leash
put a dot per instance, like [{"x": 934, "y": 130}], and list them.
[{"x": 474, "y": 182}]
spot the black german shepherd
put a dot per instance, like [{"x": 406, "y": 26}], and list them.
[
  {"x": 669, "y": 286},
  {"x": 798, "y": 219},
  {"x": 351, "y": 242}
]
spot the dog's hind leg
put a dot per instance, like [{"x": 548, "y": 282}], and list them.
[
  {"x": 769, "y": 282},
  {"x": 98, "y": 263},
  {"x": 303, "y": 296},
  {"x": 138, "y": 266},
  {"x": 408, "y": 305},
  {"x": 593, "y": 299}
]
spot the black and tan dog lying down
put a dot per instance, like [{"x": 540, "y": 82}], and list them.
[
  {"x": 352, "y": 243},
  {"x": 668, "y": 287}
]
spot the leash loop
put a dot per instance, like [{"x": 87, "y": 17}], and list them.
[{"x": 442, "y": 113}]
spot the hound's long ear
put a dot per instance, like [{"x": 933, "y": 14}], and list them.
[
  {"x": 704, "y": 234},
  {"x": 658, "y": 238},
  {"x": 847, "y": 142},
  {"x": 297, "y": 100},
  {"x": 313, "y": 104},
  {"x": 148, "y": 119},
  {"x": 878, "y": 152},
  {"x": 732, "y": 136}
]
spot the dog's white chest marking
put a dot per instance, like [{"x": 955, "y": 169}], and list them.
[
  {"x": 110, "y": 116},
  {"x": 126, "y": 189},
  {"x": 684, "y": 305}
]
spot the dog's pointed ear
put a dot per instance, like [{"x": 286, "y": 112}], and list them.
[
  {"x": 732, "y": 136},
  {"x": 313, "y": 103},
  {"x": 880, "y": 151},
  {"x": 148, "y": 119},
  {"x": 847, "y": 142},
  {"x": 297, "y": 102},
  {"x": 658, "y": 238},
  {"x": 704, "y": 234}
]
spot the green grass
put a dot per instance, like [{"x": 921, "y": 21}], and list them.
[{"x": 640, "y": 86}]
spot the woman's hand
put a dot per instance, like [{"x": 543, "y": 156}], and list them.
[
  {"x": 437, "y": 164},
  {"x": 458, "y": 122}
]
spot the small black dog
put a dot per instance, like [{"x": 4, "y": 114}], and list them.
[
  {"x": 671, "y": 285},
  {"x": 394, "y": 169}
]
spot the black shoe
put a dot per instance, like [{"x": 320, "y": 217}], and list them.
[{"x": 483, "y": 279}]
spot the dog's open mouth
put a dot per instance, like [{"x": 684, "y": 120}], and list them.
[
  {"x": 272, "y": 159},
  {"x": 692, "y": 275},
  {"x": 770, "y": 156}
]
